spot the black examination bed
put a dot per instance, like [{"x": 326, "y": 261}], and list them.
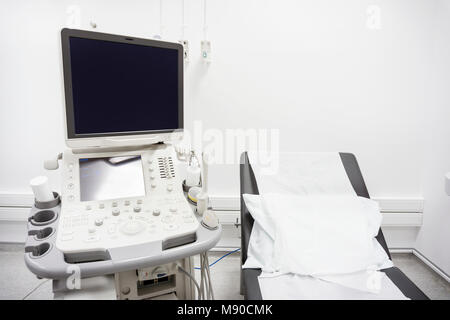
[{"x": 249, "y": 277}]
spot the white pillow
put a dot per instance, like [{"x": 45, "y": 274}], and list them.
[
  {"x": 260, "y": 252},
  {"x": 318, "y": 235},
  {"x": 373, "y": 215}
]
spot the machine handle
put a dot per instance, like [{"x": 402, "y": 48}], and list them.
[{"x": 53, "y": 265}]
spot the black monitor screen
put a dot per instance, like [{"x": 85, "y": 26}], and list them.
[{"x": 122, "y": 87}]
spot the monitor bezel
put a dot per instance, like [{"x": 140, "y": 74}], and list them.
[{"x": 71, "y": 135}]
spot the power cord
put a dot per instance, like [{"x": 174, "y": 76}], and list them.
[
  {"x": 225, "y": 255},
  {"x": 192, "y": 279},
  {"x": 35, "y": 288}
]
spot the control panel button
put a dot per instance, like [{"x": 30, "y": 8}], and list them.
[
  {"x": 66, "y": 232},
  {"x": 70, "y": 186},
  {"x": 101, "y": 206},
  {"x": 142, "y": 218},
  {"x": 167, "y": 219},
  {"x": 67, "y": 237},
  {"x": 112, "y": 228},
  {"x": 91, "y": 230},
  {"x": 88, "y": 207},
  {"x": 127, "y": 202},
  {"x": 169, "y": 188},
  {"x": 139, "y": 201},
  {"x": 156, "y": 212},
  {"x": 98, "y": 222},
  {"x": 173, "y": 209},
  {"x": 153, "y": 185},
  {"x": 188, "y": 220},
  {"x": 92, "y": 238},
  {"x": 137, "y": 209},
  {"x": 170, "y": 227},
  {"x": 152, "y": 177},
  {"x": 132, "y": 227},
  {"x": 115, "y": 212},
  {"x": 114, "y": 204},
  {"x": 151, "y": 169}
]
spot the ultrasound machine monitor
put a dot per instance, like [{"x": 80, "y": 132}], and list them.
[{"x": 121, "y": 90}]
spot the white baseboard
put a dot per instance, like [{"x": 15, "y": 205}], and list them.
[
  {"x": 16, "y": 214},
  {"x": 431, "y": 265},
  {"x": 16, "y": 199},
  {"x": 401, "y": 250},
  {"x": 392, "y": 205}
]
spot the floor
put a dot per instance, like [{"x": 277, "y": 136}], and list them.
[{"x": 16, "y": 281}]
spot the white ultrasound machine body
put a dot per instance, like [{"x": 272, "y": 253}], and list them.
[{"x": 122, "y": 209}]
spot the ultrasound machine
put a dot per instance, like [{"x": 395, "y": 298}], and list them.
[{"x": 122, "y": 222}]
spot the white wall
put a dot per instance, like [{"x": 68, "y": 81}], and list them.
[
  {"x": 311, "y": 69},
  {"x": 434, "y": 238}
]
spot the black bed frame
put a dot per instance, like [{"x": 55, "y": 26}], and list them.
[{"x": 249, "y": 277}]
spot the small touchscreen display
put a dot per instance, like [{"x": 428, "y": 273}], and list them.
[{"x": 111, "y": 178}]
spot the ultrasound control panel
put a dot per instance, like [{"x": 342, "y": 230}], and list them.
[{"x": 123, "y": 199}]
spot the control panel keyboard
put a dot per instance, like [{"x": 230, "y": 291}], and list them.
[{"x": 162, "y": 214}]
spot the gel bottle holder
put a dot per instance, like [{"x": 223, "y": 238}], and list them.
[{"x": 42, "y": 223}]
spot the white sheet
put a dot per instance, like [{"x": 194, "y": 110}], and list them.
[
  {"x": 260, "y": 247},
  {"x": 302, "y": 173},
  {"x": 261, "y": 250},
  {"x": 296, "y": 287}
]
